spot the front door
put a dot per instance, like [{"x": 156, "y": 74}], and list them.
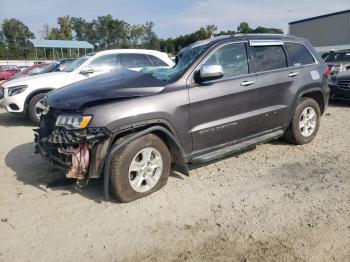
[{"x": 224, "y": 110}]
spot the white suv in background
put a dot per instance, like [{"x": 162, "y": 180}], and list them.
[{"x": 25, "y": 95}]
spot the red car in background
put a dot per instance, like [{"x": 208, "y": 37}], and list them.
[
  {"x": 11, "y": 73},
  {"x": 8, "y": 71},
  {"x": 32, "y": 70},
  {"x": 36, "y": 69}
]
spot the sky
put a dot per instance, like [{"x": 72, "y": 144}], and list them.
[{"x": 172, "y": 17}]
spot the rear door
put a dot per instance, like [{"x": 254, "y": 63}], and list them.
[{"x": 274, "y": 85}]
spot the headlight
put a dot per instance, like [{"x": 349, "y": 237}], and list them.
[
  {"x": 15, "y": 90},
  {"x": 71, "y": 122}
]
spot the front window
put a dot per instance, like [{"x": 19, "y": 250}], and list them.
[
  {"x": 77, "y": 63},
  {"x": 232, "y": 58},
  {"x": 184, "y": 60},
  {"x": 104, "y": 63}
]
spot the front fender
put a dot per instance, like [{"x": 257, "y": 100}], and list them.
[{"x": 180, "y": 164}]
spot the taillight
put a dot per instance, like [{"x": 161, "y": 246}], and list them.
[{"x": 328, "y": 71}]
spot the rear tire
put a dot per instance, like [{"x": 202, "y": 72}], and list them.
[
  {"x": 140, "y": 168},
  {"x": 33, "y": 109},
  {"x": 305, "y": 123}
]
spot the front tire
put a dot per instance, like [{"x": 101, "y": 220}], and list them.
[
  {"x": 305, "y": 123},
  {"x": 140, "y": 168},
  {"x": 35, "y": 108}
]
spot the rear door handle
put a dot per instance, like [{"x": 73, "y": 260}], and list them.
[
  {"x": 247, "y": 83},
  {"x": 293, "y": 74}
]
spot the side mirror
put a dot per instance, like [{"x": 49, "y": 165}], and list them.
[
  {"x": 87, "y": 70},
  {"x": 210, "y": 72}
]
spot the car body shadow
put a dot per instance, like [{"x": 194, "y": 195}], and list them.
[
  {"x": 8, "y": 119},
  {"x": 33, "y": 170},
  {"x": 339, "y": 103}
]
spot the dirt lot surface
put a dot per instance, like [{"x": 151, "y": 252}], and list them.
[{"x": 276, "y": 203}]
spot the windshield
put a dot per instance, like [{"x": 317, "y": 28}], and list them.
[
  {"x": 77, "y": 63},
  {"x": 37, "y": 71},
  {"x": 338, "y": 57},
  {"x": 48, "y": 69},
  {"x": 185, "y": 59},
  {"x": 28, "y": 71}
]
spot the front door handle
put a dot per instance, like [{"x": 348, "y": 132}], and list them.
[
  {"x": 247, "y": 83},
  {"x": 293, "y": 74}
]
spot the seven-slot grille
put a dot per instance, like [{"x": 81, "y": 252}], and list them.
[{"x": 344, "y": 83}]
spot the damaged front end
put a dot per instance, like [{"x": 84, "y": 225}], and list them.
[{"x": 68, "y": 144}]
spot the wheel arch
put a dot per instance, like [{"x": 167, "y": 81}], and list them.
[
  {"x": 34, "y": 93},
  {"x": 317, "y": 95},
  {"x": 163, "y": 129},
  {"x": 178, "y": 157}
]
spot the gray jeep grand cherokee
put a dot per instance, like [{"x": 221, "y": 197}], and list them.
[{"x": 224, "y": 95}]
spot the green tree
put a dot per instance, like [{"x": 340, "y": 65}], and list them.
[
  {"x": 65, "y": 27},
  {"x": 54, "y": 34},
  {"x": 228, "y": 32},
  {"x": 244, "y": 28},
  {"x": 3, "y": 49},
  {"x": 137, "y": 35},
  {"x": 91, "y": 32},
  {"x": 151, "y": 39},
  {"x": 64, "y": 32},
  {"x": 121, "y": 32},
  {"x": 266, "y": 30},
  {"x": 210, "y": 29},
  {"x": 175, "y": 45},
  {"x": 16, "y": 35},
  {"x": 80, "y": 26},
  {"x": 111, "y": 33}
]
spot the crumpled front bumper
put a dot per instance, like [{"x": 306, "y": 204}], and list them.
[
  {"x": 78, "y": 153},
  {"x": 47, "y": 154}
]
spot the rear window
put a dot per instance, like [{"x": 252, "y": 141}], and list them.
[
  {"x": 268, "y": 58},
  {"x": 299, "y": 54},
  {"x": 338, "y": 57}
]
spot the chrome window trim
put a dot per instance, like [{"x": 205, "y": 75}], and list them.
[
  {"x": 255, "y": 73},
  {"x": 210, "y": 54},
  {"x": 266, "y": 42}
]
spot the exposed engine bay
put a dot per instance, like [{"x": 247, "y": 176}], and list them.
[{"x": 70, "y": 150}]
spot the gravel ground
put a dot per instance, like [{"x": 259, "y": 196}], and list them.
[{"x": 276, "y": 203}]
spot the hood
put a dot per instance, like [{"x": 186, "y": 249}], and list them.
[
  {"x": 118, "y": 84},
  {"x": 330, "y": 64},
  {"x": 54, "y": 78}
]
